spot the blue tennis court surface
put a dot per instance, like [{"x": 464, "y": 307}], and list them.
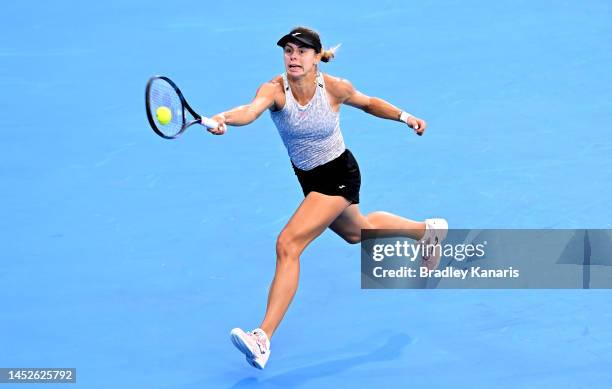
[{"x": 130, "y": 257}]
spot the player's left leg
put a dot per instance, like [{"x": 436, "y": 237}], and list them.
[{"x": 351, "y": 221}]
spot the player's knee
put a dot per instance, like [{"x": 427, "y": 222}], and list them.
[
  {"x": 286, "y": 247},
  {"x": 353, "y": 238}
]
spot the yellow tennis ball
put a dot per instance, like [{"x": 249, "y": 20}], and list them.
[{"x": 164, "y": 115}]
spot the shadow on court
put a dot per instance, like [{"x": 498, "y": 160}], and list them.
[{"x": 390, "y": 350}]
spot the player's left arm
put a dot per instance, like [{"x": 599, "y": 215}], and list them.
[{"x": 376, "y": 106}]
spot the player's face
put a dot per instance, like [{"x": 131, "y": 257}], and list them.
[{"x": 299, "y": 60}]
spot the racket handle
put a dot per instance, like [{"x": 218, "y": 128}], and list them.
[{"x": 209, "y": 122}]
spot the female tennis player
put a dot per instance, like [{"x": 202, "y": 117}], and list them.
[{"x": 304, "y": 104}]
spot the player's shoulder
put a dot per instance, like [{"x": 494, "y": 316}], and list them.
[
  {"x": 276, "y": 82},
  {"x": 338, "y": 86},
  {"x": 273, "y": 86}
]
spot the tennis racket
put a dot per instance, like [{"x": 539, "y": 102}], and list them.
[{"x": 167, "y": 109}]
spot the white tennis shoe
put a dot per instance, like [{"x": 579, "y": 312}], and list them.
[
  {"x": 255, "y": 345},
  {"x": 435, "y": 233}
]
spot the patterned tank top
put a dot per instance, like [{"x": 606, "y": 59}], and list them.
[{"x": 311, "y": 133}]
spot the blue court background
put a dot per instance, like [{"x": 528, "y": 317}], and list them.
[{"x": 130, "y": 257}]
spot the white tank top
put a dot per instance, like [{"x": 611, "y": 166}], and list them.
[{"x": 311, "y": 133}]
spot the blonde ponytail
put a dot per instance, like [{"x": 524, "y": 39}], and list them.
[{"x": 327, "y": 55}]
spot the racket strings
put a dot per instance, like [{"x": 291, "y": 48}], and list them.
[{"x": 162, "y": 94}]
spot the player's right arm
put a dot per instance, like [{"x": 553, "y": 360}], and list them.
[{"x": 246, "y": 114}]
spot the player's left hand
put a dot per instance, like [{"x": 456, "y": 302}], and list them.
[{"x": 418, "y": 125}]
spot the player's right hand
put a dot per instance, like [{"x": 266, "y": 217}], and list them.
[{"x": 221, "y": 128}]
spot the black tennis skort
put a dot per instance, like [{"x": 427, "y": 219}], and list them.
[{"x": 338, "y": 177}]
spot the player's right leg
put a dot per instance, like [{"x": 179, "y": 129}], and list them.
[{"x": 312, "y": 217}]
